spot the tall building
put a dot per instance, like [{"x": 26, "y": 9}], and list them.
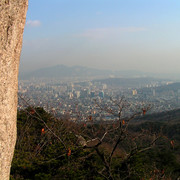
[
  {"x": 70, "y": 95},
  {"x": 101, "y": 94},
  {"x": 77, "y": 94},
  {"x": 70, "y": 88},
  {"x": 104, "y": 86},
  {"x": 92, "y": 94},
  {"x": 134, "y": 92}
]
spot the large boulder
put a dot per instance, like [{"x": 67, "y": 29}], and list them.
[{"x": 12, "y": 21}]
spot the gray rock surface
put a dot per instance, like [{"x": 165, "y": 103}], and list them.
[{"x": 12, "y": 21}]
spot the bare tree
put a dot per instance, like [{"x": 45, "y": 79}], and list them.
[
  {"x": 116, "y": 133},
  {"x": 113, "y": 143},
  {"x": 12, "y": 20}
]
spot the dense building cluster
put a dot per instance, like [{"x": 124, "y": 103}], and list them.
[{"x": 79, "y": 100}]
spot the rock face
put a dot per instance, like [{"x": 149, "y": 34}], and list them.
[{"x": 12, "y": 20}]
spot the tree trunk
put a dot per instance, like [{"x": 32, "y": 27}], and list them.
[{"x": 12, "y": 21}]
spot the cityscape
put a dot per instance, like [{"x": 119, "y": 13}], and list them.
[{"x": 79, "y": 100}]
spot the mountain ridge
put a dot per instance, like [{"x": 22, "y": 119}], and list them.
[{"x": 78, "y": 71}]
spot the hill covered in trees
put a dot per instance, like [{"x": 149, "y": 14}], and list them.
[{"x": 52, "y": 148}]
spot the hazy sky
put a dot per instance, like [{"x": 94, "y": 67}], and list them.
[{"x": 108, "y": 34}]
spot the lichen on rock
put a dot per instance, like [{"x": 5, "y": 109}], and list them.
[{"x": 12, "y": 21}]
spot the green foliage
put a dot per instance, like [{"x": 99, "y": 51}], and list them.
[{"x": 41, "y": 155}]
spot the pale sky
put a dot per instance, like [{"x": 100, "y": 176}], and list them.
[{"x": 106, "y": 34}]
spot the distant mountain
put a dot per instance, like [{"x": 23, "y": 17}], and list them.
[
  {"x": 129, "y": 82},
  {"x": 62, "y": 71},
  {"x": 172, "y": 87},
  {"x": 169, "y": 87}
]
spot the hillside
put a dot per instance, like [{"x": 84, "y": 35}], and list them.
[
  {"x": 48, "y": 148},
  {"x": 129, "y": 82},
  {"x": 164, "y": 117},
  {"x": 62, "y": 71},
  {"x": 170, "y": 87}
]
